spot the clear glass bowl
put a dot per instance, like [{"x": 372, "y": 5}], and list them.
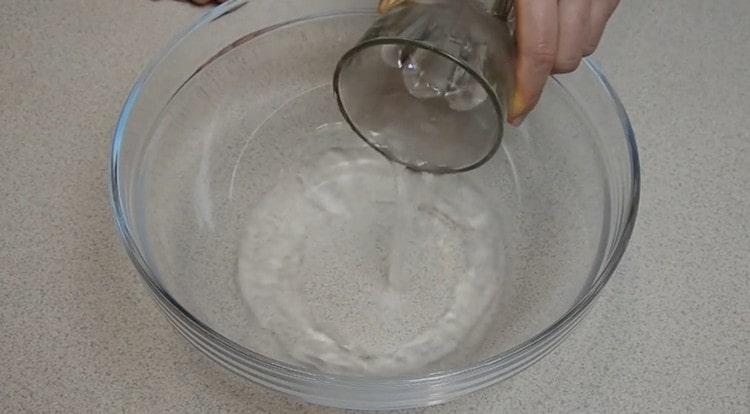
[{"x": 242, "y": 102}]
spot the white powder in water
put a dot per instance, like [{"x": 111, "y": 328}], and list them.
[{"x": 360, "y": 266}]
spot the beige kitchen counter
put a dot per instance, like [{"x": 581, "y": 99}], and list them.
[{"x": 79, "y": 332}]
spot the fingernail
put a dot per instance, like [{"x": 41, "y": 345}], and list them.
[
  {"x": 516, "y": 116},
  {"x": 386, "y": 5}
]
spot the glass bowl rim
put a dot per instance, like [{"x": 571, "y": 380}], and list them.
[{"x": 327, "y": 389}]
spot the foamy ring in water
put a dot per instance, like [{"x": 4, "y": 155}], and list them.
[{"x": 271, "y": 261}]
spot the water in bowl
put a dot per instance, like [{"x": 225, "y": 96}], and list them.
[{"x": 361, "y": 266}]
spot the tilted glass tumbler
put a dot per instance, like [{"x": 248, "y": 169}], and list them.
[{"x": 427, "y": 84}]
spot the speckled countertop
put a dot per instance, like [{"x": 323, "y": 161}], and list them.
[{"x": 79, "y": 333}]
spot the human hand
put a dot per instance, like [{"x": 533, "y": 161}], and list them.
[{"x": 552, "y": 36}]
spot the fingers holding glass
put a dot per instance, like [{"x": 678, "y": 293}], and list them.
[{"x": 536, "y": 39}]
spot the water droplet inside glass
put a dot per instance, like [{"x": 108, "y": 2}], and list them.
[
  {"x": 426, "y": 74},
  {"x": 465, "y": 93}
]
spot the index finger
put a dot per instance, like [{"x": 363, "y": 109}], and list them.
[{"x": 536, "y": 37}]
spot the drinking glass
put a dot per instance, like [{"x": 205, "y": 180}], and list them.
[{"x": 427, "y": 84}]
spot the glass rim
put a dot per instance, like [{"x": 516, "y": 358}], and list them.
[
  {"x": 341, "y": 390},
  {"x": 388, "y": 40}
]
